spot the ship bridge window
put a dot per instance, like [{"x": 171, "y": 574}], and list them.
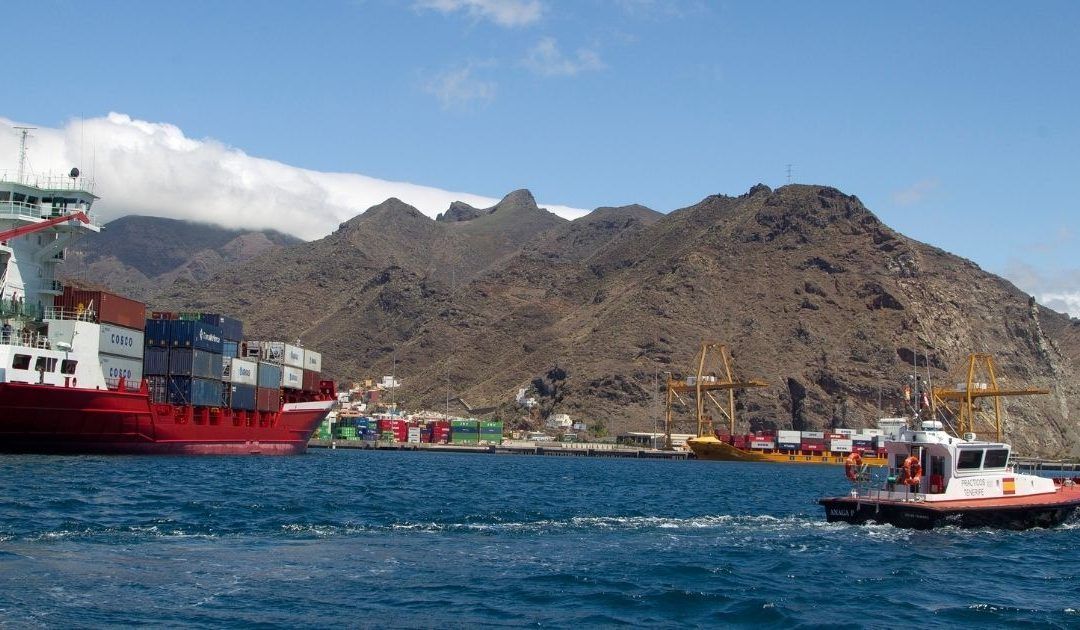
[
  {"x": 45, "y": 364},
  {"x": 67, "y": 366},
  {"x": 969, "y": 459},
  {"x": 20, "y": 362},
  {"x": 5, "y": 195},
  {"x": 996, "y": 458}
]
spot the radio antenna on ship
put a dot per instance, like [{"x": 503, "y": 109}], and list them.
[{"x": 22, "y": 149}]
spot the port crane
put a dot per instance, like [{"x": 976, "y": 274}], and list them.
[
  {"x": 964, "y": 401},
  {"x": 714, "y": 374}
]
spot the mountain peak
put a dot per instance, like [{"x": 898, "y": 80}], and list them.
[
  {"x": 459, "y": 211},
  {"x": 519, "y": 199}
]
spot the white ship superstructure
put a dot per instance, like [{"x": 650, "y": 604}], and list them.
[{"x": 39, "y": 343}]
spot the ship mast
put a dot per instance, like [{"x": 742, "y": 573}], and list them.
[{"x": 25, "y": 131}]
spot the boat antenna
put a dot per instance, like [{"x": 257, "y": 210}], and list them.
[{"x": 25, "y": 131}]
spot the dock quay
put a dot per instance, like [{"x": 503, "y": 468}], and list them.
[
  {"x": 546, "y": 449},
  {"x": 1048, "y": 465}
]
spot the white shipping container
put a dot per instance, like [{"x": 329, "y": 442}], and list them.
[
  {"x": 120, "y": 341},
  {"x": 762, "y": 444},
  {"x": 242, "y": 372},
  {"x": 873, "y": 431},
  {"x": 294, "y": 356},
  {"x": 814, "y": 435},
  {"x": 788, "y": 436},
  {"x": 414, "y": 435},
  {"x": 114, "y": 367},
  {"x": 845, "y": 431},
  {"x": 312, "y": 360},
  {"x": 292, "y": 377},
  {"x": 840, "y": 445}
]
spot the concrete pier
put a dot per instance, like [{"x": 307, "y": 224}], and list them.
[{"x": 547, "y": 449}]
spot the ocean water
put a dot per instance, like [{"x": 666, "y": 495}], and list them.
[{"x": 401, "y": 539}]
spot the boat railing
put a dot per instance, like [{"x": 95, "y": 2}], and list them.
[
  {"x": 17, "y": 308},
  {"x": 120, "y": 384},
  {"x": 882, "y": 482},
  {"x": 24, "y": 339},
  {"x": 78, "y": 314}
]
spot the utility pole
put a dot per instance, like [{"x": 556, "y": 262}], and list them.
[{"x": 789, "y": 173}]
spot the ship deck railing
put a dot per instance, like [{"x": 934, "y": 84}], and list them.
[
  {"x": 24, "y": 339},
  {"x": 874, "y": 482},
  {"x": 18, "y": 308},
  {"x": 11, "y": 209},
  {"x": 78, "y": 314}
]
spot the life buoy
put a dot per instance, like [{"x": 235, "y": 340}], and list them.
[
  {"x": 851, "y": 466},
  {"x": 912, "y": 471}
]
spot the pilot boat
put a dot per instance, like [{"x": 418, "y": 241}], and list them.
[{"x": 967, "y": 483}]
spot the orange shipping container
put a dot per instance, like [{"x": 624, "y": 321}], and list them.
[{"x": 109, "y": 307}]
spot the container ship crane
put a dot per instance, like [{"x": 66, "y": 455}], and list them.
[
  {"x": 713, "y": 374},
  {"x": 964, "y": 401}
]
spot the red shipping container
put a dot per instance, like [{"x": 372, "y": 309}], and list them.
[
  {"x": 109, "y": 307},
  {"x": 267, "y": 399},
  {"x": 162, "y": 315},
  {"x": 310, "y": 381},
  {"x": 813, "y": 447}
]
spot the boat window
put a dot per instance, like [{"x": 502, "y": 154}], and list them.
[
  {"x": 996, "y": 458},
  {"x": 20, "y": 362},
  {"x": 67, "y": 366},
  {"x": 46, "y": 364},
  {"x": 19, "y": 197},
  {"x": 5, "y": 195},
  {"x": 969, "y": 459}
]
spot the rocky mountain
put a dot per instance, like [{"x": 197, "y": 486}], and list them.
[
  {"x": 142, "y": 256},
  {"x": 812, "y": 292}
]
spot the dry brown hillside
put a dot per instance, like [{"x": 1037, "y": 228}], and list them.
[{"x": 811, "y": 291}]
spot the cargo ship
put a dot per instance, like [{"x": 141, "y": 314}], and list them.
[
  {"x": 793, "y": 447},
  {"x": 84, "y": 371}
]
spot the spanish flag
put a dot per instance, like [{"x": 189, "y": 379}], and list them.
[{"x": 1009, "y": 485}]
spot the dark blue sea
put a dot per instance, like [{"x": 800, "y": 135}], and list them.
[{"x": 402, "y": 539}]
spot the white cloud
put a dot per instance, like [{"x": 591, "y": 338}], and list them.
[
  {"x": 545, "y": 58},
  {"x": 915, "y": 193},
  {"x": 502, "y": 12},
  {"x": 153, "y": 169},
  {"x": 1059, "y": 289},
  {"x": 458, "y": 88}
]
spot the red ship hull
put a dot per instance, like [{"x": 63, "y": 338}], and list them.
[{"x": 51, "y": 419}]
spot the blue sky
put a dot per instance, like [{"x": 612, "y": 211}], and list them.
[{"x": 955, "y": 122}]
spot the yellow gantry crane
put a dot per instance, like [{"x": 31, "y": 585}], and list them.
[
  {"x": 980, "y": 381},
  {"x": 713, "y": 374}
]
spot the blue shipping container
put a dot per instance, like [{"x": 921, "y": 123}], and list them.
[
  {"x": 197, "y": 363},
  {"x": 201, "y": 392},
  {"x": 155, "y": 361},
  {"x": 194, "y": 334},
  {"x": 231, "y": 349},
  {"x": 269, "y": 375},
  {"x": 243, "y": 397},
  {"x": 788, "y": 446},
  {"x": 156, "y": 332},
  {"x": 232, "y": 329}
]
